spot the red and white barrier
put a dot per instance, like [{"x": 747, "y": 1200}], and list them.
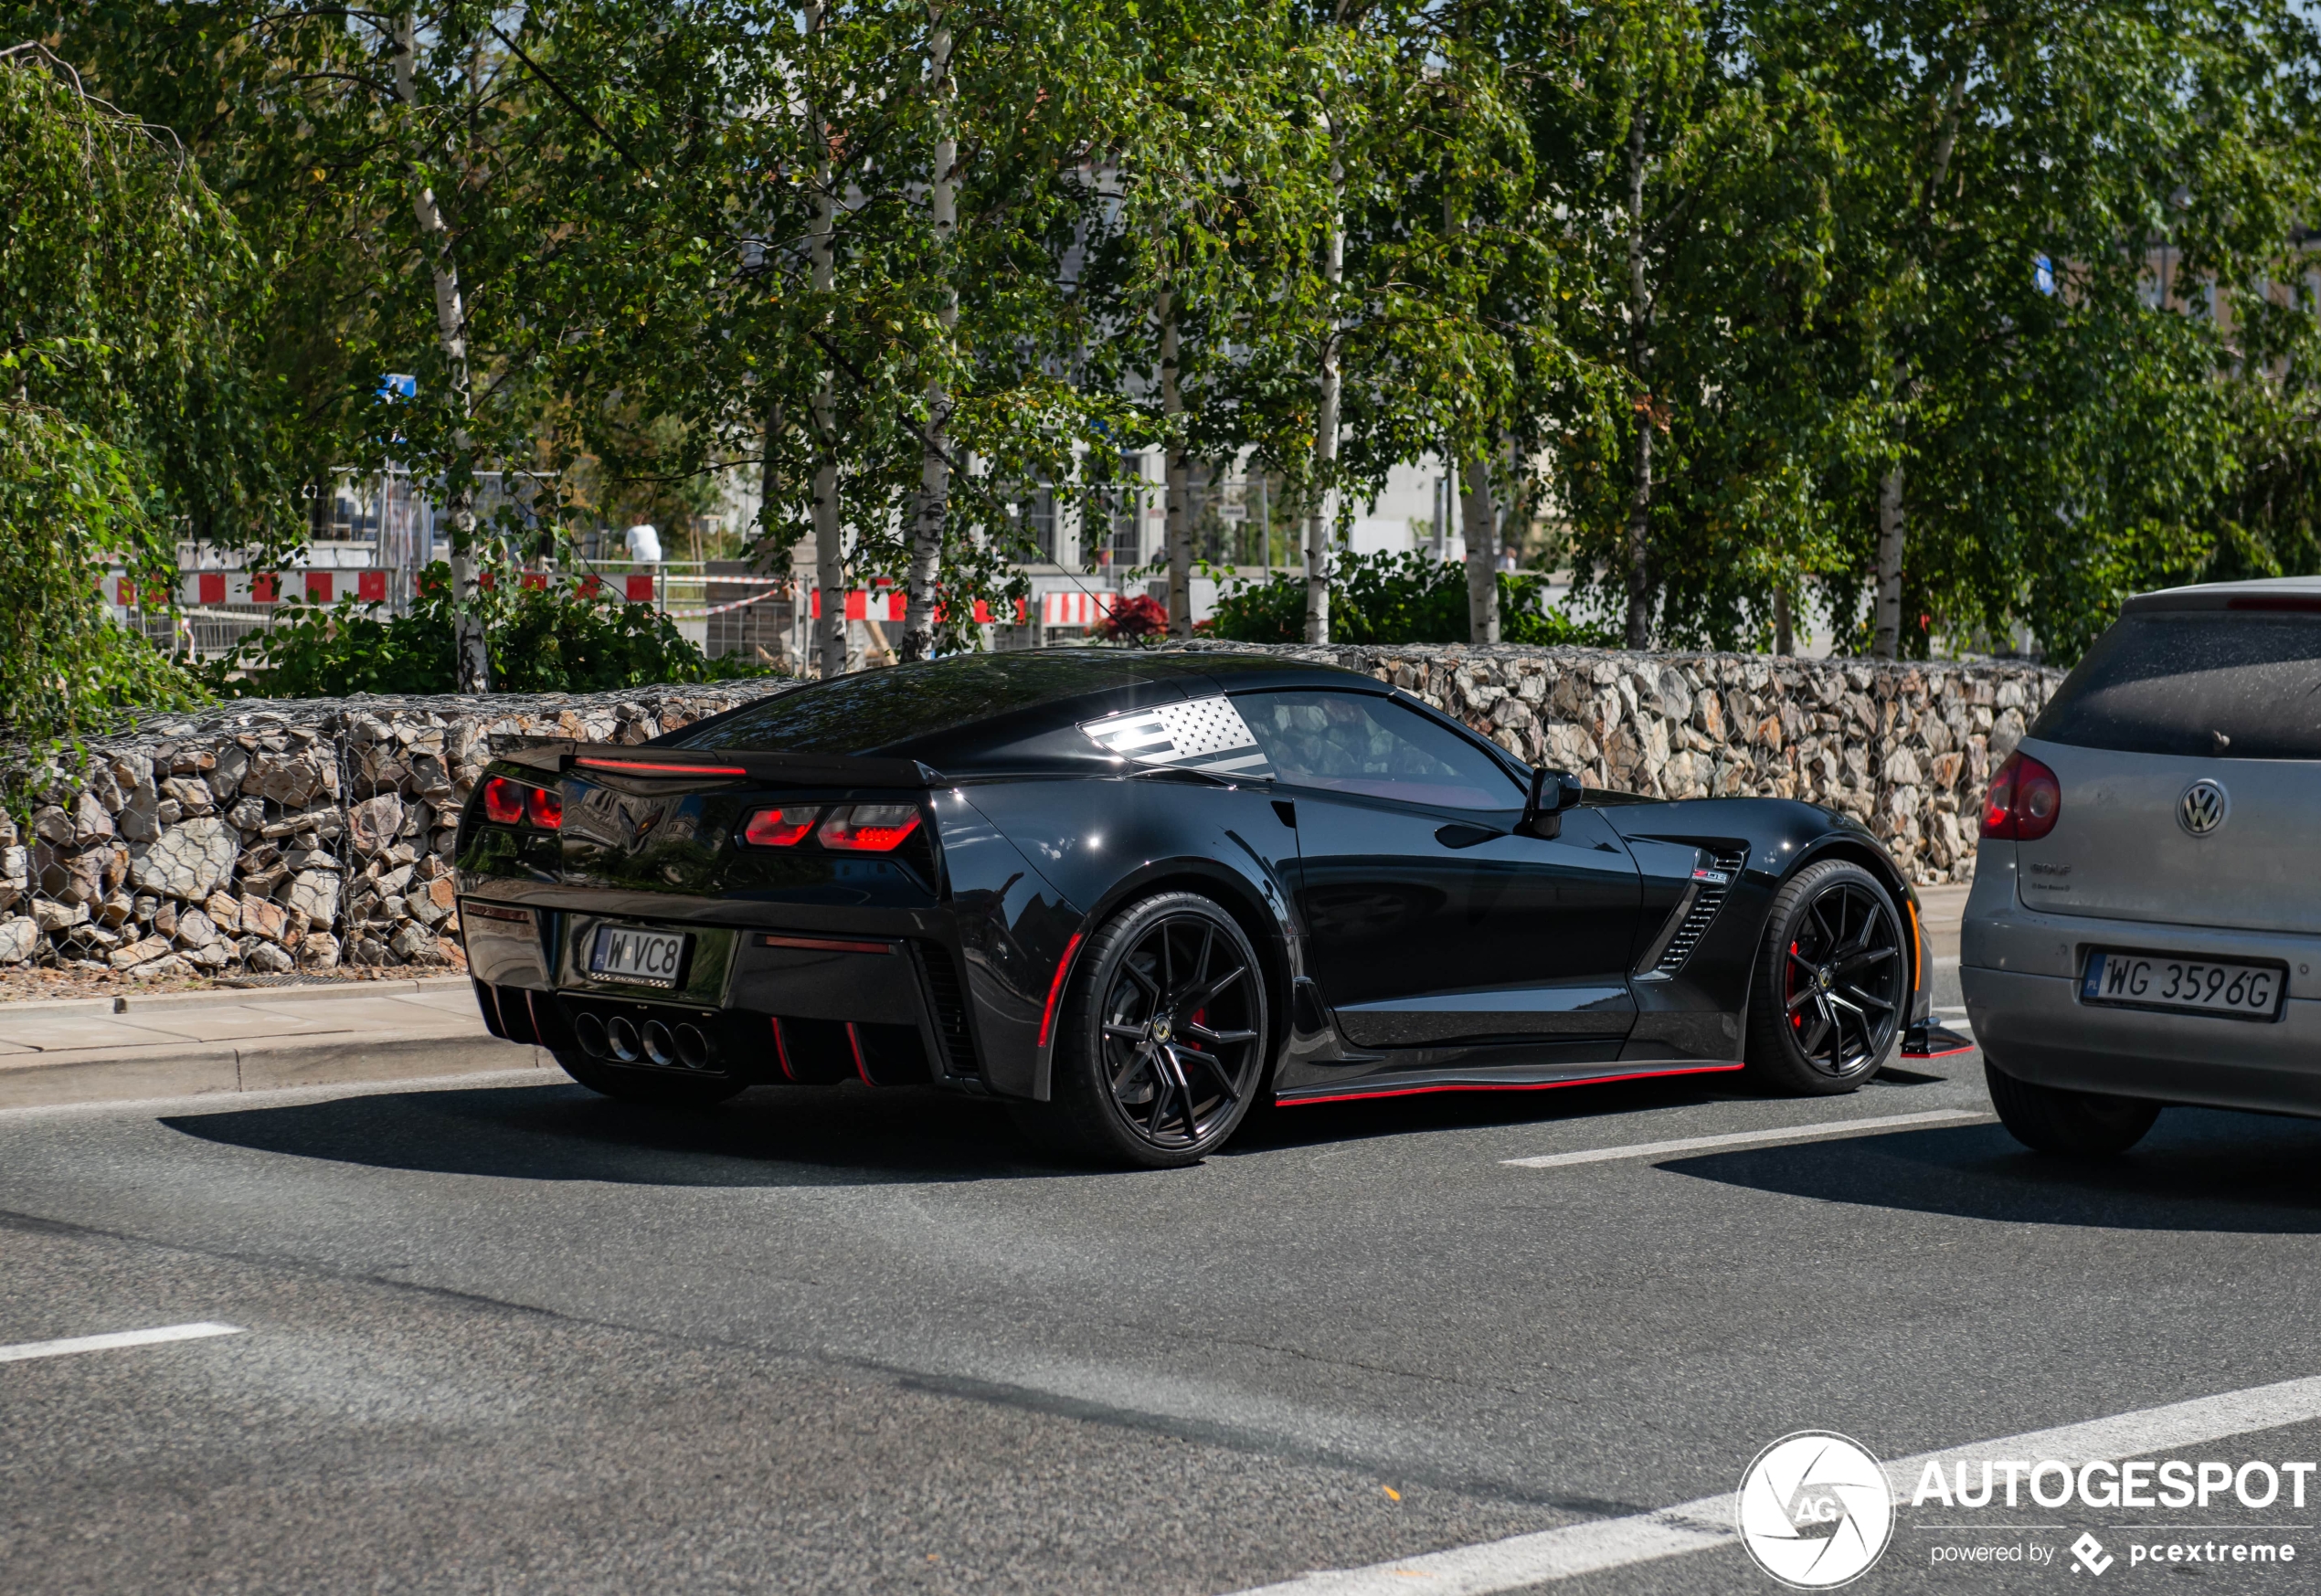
[
  {"x": 208, "y": 589},
  {"x": 1081, "y": 608}
]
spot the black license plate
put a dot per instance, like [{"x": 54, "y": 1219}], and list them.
[
  {"x": 2183, "y": 985},
  {"x": 637, "y": 957}
]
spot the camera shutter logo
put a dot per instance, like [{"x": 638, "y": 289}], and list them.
[
  {"x": 1815, "y": 1510},
  {"x": 2203, "y": 807}
]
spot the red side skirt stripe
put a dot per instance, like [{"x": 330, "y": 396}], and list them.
[{"x": 1508, "y": 1086}]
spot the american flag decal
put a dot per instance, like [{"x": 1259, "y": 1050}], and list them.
[{"x": 1206, "y": 734}]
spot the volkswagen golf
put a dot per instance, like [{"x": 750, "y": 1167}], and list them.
[{"x": 2144, "y": 927}]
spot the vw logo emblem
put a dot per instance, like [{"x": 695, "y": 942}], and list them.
[{"x": 2203, "y": 807}]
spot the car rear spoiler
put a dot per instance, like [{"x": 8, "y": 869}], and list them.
[
  {"x": 567, "y": 756},
  {"x": 2293, "y": 597}
]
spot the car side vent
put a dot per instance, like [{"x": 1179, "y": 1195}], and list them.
[
  {"x": 1706, "y": 904},
  {"x": 950, "y": 1010}
]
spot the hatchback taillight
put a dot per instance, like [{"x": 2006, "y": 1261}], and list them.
[
  {"x": 2024, "y": 799},
  {"x": 868, "y": 828}
]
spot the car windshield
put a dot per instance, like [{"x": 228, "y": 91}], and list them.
[
  {"x": 869, "y": 710},
  {"x": 2200, "y": 684}
]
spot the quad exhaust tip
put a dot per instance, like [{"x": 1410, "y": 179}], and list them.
[
  {"x": 660, "y": 1047},
  {"x": 681, "y": 1046}
]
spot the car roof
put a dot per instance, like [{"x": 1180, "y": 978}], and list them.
[
  {"x": 2265, "y": 593},
  {"x": 937, "y": 710}
]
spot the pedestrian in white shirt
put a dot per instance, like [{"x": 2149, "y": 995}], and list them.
[{"x": 644, "y": 543}]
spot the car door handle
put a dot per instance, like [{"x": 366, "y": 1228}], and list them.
[{"x": 1459, "y": 835}]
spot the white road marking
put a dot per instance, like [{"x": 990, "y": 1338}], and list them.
[
  {"x": 1706, "y": 1523},
  {"x": 23, "y": 1350},
  {"x": 1838, "y": 1128}
]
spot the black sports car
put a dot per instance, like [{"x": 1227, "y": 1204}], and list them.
[{"x": 1132, "y": 894}]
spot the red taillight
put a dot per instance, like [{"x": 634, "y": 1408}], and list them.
[
  {"x": 778, "y": 828},
  {"x": 2024, "y": 799},
  {"x": 868, "y": 828},
  {"x": 513, "y": 803},
  {"x": 503, "y": 801}
]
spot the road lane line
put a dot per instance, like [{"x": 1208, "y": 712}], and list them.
[
  {"x": 23, "y": 1350},
  {"x": 1739, "y": 1138},
  {"x": 1706, "y": 1523}
]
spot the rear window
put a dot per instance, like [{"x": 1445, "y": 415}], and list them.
[
  {"x": 869, "y": 710},
  {"x": 2199, "y": 683}
]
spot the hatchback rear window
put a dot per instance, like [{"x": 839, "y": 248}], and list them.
[
  {"x": 868, "y": 710},
  {"x": 2196, "y": 683}
]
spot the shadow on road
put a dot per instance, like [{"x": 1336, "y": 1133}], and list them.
[
  {"x": 816, "y": 1136},
  {"x": 2201, "y": 1169},
  {"x": 1312, "y": 1125},
  {"x": 798, "y": 1135}
]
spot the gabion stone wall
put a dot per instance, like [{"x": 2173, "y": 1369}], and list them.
[
  {"x": 1904, "y": 748},
  {"x": 270, "y": 835},
  {"x": 265, "y": 835}
]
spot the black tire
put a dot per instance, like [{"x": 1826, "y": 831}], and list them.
[
  {"x": 652, "y": 1088},
  {"x": 2071, "y": 1124},
  {"x": 1161, "y": 1044},
  {"x": 1832, "y": 983}
]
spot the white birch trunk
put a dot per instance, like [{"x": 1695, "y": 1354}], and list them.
[
  {"x": 473, "y": 658},
  {"x": 1177, "y": 476},
  {"x": 830, "y": 554},
  {"x": 1639, "y": 522},
  {"x": 1322, "y": 518},
  {"x": 1479, "y": 521},
  {"x": 1885, "y": 640},
  {"x": 934, "y": 466}
]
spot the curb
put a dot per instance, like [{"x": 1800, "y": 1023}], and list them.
[
  {"x": 321, "y": 991},
  {"x": 113, "y": 1075}
]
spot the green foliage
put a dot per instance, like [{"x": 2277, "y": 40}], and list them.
[
  {"x": 556, "y": 638},
  {"x": 1394, "y": 599},
  {"x": 124, "y": 294},
  {"x": 125, "y": 410},
  {"x": 1786, "y": 248},
  {"x": 70, "y": 503}
]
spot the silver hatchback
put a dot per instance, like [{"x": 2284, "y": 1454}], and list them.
[{"x": 2145, "y": 926}]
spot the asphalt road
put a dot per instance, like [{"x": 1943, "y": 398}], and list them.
[{"x": 517, "y": 1338}]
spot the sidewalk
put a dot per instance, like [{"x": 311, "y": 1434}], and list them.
[
  {"x": 95, "y": 1050},
  {"x": 1940, "y": 911}
]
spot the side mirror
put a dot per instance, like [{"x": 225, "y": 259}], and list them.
[{"x": 1552, "y": 792}]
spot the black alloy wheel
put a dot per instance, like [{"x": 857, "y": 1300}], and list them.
[
  {"x": 1833, "y": 982},
  {"x": 1160, "y": 1048}
]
